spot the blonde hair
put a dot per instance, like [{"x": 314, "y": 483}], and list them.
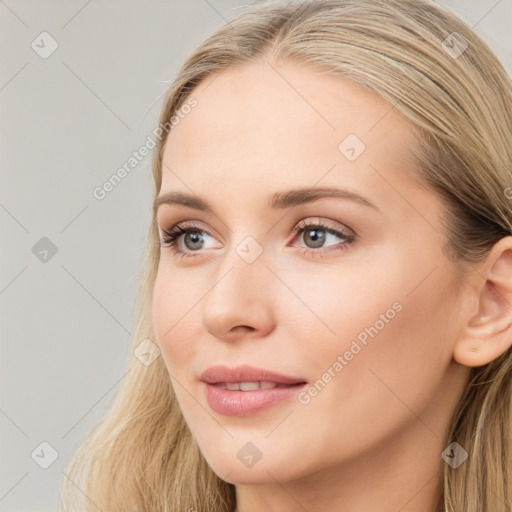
[{"x": 141, "y": 456}]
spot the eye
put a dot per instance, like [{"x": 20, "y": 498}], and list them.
[
  {"x": 314, "y": 233},
  {"x": 193, "y": 239}
]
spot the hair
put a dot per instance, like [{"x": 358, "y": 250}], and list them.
[{"x": 142, "y": 456}]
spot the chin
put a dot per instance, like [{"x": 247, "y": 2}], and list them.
[{"x": 231, "y": 468}]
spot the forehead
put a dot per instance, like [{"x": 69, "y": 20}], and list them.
[{"x": 266, "y": 125}]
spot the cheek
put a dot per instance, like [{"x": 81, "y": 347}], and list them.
[
  {"x": 389, "y": 318},
  {"x": 383, "y": 367},
  {"x": 173, "y": 309},
  {"x": 423, "y": 345},
  {"x": 393, "y": 345}
]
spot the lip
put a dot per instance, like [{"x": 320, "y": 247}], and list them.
[
  {"x": 245, "y": 373},
  {"x": 244, "y": 403}
]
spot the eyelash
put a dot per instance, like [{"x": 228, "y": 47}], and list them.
[{"x": 170, "y": 238}]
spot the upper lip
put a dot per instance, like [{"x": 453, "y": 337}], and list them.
[{"x": 246, "y": 373}]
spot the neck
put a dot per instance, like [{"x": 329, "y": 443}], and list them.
[{"x": 404, "y": 473}]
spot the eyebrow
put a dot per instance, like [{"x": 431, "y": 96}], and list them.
[{"x": 278, "y": 200}]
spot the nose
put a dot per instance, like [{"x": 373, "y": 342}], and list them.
[{"x": 240, "y": 301}]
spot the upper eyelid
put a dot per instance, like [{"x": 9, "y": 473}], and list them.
[
  {"x": 308, "y": 221},
  {"x": 298, "y": 227}
]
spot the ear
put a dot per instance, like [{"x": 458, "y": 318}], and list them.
[{"x": 487, "y": 334}]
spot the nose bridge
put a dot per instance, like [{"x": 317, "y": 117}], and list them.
[{"x": 244, "y": 266}]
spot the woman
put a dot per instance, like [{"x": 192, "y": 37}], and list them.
[{"x": 328, "y": 283}]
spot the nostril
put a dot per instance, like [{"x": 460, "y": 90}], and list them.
[{"x": 243, "y": 327}]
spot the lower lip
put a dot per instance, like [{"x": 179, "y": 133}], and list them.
[{"x": 245, "y": 403}]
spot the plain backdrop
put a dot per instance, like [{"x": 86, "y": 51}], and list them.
[{"x": 69, "y": 119}]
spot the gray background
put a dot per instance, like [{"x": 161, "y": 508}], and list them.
[{"x": 68, "y": 122}]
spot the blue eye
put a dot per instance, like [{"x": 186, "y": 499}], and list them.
[
  {"x": 171, "y": 238},
  {"x": 193, "y": 238},
  {"x": 318, "y": 233}
]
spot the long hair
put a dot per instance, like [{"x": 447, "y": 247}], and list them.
[{"x": 432, "y": 68}]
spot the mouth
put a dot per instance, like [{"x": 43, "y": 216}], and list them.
[
  {"x": 246, "y": 390},
  {"x": 245, "y": 374},
  {"x": 251, "y": 386},
  {"x": 246, "y": 402}
]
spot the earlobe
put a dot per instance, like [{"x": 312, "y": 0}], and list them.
[{"x": 488, "y": 332}]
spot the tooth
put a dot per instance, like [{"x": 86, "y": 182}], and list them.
[{"x": 249, "y": 386}]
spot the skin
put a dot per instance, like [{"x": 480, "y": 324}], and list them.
[{"x": 372, "y": 438}]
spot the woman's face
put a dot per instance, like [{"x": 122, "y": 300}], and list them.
[{"x": 358, "y": 308}]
